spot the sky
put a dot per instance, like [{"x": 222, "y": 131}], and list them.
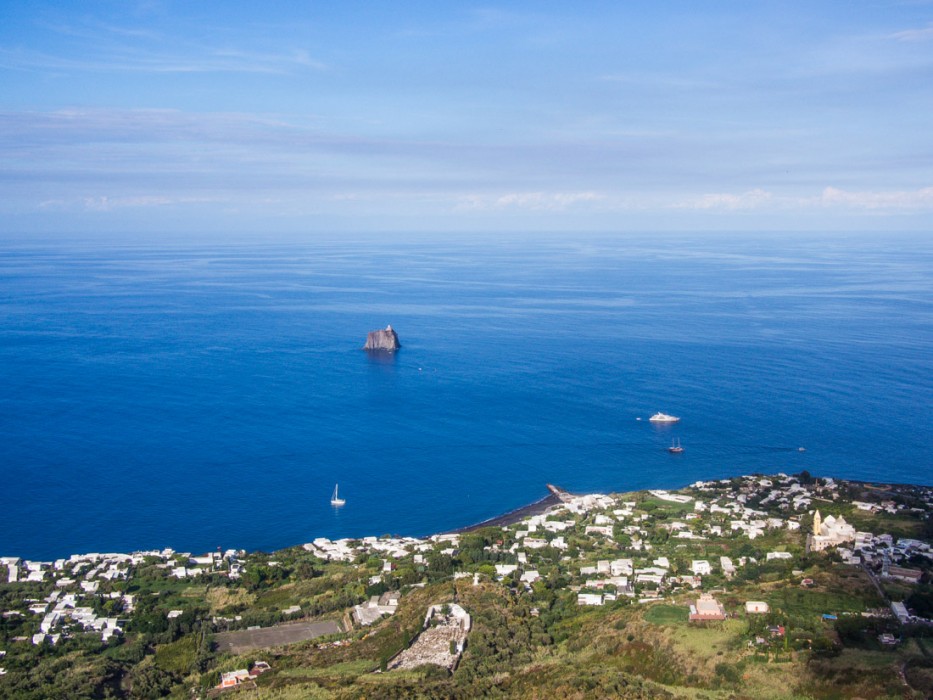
[{"x": 183, "y": 117}]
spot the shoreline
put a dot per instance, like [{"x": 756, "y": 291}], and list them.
[
  {"x": 541, "y": 506},
  {"x": 513, "y": 516}
]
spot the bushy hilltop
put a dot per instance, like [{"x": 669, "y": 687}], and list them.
[{"x": 753, "y": 587}]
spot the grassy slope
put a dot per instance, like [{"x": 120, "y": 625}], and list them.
[
  {"x": 629, "y": 651},
  {"x": 621, "y": 650}
]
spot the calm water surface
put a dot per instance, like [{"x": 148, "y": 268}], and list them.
[{"x": 204, "y": 395}]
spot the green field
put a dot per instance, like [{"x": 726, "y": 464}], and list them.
[{"x": 660, "y": 614}]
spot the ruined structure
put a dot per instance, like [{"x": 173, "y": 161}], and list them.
[{"x": 441, "y": 643}]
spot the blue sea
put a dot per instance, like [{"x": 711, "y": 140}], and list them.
[{"x": 194, "y": 394}]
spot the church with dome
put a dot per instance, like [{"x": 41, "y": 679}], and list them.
[{"x": 830, "y": 532}]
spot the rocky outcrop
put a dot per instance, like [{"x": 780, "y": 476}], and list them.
[{"x": 386, "y": 340}]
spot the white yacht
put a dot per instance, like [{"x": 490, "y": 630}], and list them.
[
  {"x": 663, "y": 418},
  {"x": 335, "y": 500}
]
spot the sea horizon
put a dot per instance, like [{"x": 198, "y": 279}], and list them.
[{"x": 201, "y": 394}]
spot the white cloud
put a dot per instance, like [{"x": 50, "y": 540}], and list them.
[
  {"x": 139, "y": 60},
  {"x": 752, "y": 199},
  {"x": 898, "y": 199},
  {"x": 108, "y": 203},
  {"x": 829, "y": 198},
  {"x": 540, "y": 201},
  {"x": 925, "y": 34}
]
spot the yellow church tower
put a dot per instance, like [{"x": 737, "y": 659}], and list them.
[{"x": 817, "y": 523}]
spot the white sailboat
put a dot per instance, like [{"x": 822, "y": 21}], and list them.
[{"x": 335, "y": 500}]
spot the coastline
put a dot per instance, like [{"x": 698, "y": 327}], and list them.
[
  {"x": 513, "y": 516},
  {"x": 72, "y": 497},
  {"x": 339, "y": 633},
  {"x": 554, "y": 498}
]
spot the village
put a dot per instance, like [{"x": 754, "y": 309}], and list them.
[
  {"x": 659, "y": 565},
  {"x": 714, "y": 551}
]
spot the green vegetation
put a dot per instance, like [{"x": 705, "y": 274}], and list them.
[
  {"x": 822, "y": 636},
  {"x": 666, "y": 614}
]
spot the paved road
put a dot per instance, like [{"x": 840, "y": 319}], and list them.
[
  {"x": 874, "y": 580},
  {"x": 242, "y": 641}
]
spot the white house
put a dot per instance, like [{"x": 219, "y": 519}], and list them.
[
  {"x": 530, "y": 576},
  {"x": 621, "y": 567},
  {"x": 756, "y": 607},
  {"x": 701, "y": 567},
  {"x": 900, "y": 612},
  {"x": 589, "y": 599}
]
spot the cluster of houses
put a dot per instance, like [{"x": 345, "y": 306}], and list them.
[
  {"x": 186, "y": 565},
  {"x": 608, "y": 547},
  {"x": 880, "y": 553},
  {"x": 64, "y": 572},
  {"x": 711, "y": 510},
  {"x": 75, "y": 582},
  {"x": 349, "y": 549},
  {"x": 76, "y": 586},
  {"x": 65, "y": 612}
]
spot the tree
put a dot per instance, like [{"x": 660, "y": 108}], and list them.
[
  {"x": 305, "y": 570},
  {"x": 149, "y": 682}
]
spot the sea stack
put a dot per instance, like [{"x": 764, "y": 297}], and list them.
[{"x": 386, "y": 340}]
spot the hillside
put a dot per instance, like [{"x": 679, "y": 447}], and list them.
[{"x": 719, "y": 590}]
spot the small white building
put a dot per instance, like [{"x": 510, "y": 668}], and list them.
[
  {"x": 589, "y": 599},
  {"x": 621, "y": 567},
  {"x": 233, "y": 678},
  {"x": 701, "y": 567},
  {"x": 530, "y": 576},
  {"x": 900, "y": 612},
  {"x": 605, "y": 530},
  {"x": 756, "y": 607}
]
